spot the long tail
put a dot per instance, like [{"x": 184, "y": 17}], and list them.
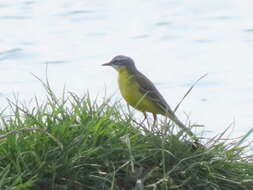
[{"x": 174, "y": 118}]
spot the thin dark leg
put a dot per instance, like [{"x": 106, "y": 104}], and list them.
[
  {"x": 145, "y": 117},
  {"x": 155, "y": 118}
]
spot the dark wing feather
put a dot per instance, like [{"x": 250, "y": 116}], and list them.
[{"x": 147, "y": 87}]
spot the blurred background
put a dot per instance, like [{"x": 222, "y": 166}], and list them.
[{"x": 173, "y": 42}]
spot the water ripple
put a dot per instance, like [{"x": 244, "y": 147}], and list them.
[
  {"x": 9, "y": 54},
  {"x": 249, "y": 30},
  {"x": 163, "y": 23},
  {"x": 58, "y": 62},
  {"x": 143, "y": 36},
  {"x": 77, "y": 12},
  {"x": 15, "y": 17}
]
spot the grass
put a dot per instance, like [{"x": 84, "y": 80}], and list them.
[{"x": 74, "y": 143}]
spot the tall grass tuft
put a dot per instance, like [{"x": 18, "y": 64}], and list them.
[{"x": 75, "y": 143}]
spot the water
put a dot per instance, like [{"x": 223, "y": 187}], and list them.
[{"x": 173, "y": 42}]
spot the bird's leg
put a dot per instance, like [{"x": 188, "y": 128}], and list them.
[
  {"x": 145, "y": 117},
  {"x": 155, "y": 118}
]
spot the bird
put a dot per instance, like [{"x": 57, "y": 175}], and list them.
[{"x": 140, "y": 93}]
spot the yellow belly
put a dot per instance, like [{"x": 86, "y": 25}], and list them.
[{"x": 129, "y": 89}]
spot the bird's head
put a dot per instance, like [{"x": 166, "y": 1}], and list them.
[{"x": 122, "y": 63}]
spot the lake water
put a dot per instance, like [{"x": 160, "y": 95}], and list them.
[{"x": 173, "y": 42}]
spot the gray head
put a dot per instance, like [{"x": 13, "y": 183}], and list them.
[{"x": 121, "y": 63}]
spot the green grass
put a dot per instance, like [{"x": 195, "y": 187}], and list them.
[{"x": 73, "y": 143}]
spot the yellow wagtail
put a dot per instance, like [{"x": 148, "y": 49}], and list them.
[{"x": 140, "y": 92}]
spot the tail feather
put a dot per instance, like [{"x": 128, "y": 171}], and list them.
[{"x": 174, "y": 118}]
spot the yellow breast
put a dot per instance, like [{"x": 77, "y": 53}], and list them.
[{"x": 129, "y": 89}]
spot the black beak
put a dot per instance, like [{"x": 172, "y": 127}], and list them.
[{"x": 107, "y": 64}]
